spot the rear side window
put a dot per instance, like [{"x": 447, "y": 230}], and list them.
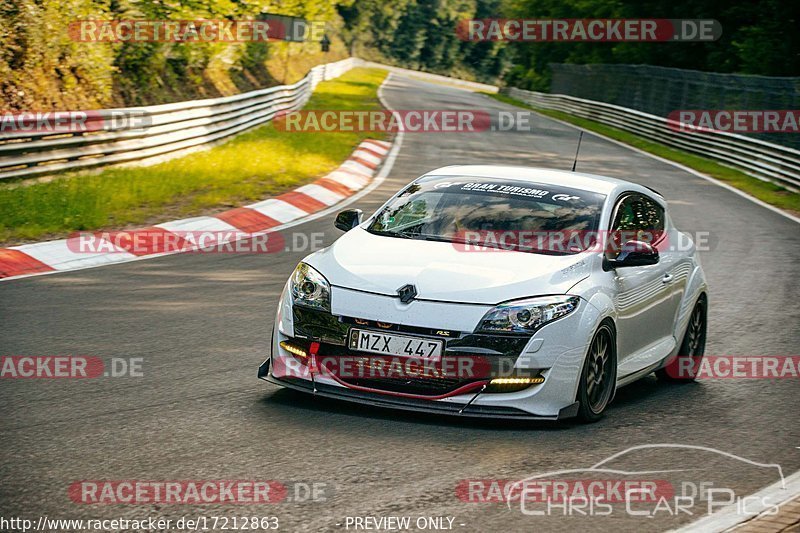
[{"x": 639, "y": 216}]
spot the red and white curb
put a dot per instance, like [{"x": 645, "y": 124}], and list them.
[{"x": 269, "y": 215}]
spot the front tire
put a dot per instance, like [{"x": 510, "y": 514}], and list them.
[
  {"x": 683, "y": 367},
  {"x": 599, "y": 375}
]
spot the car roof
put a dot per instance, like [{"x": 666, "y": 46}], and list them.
[{"x": 576, "y": 180}]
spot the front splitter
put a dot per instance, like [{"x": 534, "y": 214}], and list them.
[{"x": 409, "y": 404}]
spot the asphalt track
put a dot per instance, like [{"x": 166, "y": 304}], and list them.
[{"x": 201, "y": 324}]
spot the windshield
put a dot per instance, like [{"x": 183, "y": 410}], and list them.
[{"x": 467, "y": 209}]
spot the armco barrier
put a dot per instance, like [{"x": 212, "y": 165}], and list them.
[
  {"x": 760, "y": 159},
  {"x": 171, "y": 128},
  {"x": 174, "y": 128}
]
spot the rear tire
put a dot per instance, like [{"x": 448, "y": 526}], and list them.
[
  {"x": 599, "y": 375},
  {"x": 693, "y": 347}
]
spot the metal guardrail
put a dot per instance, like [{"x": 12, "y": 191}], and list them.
[
  {"x": 174, "y": 128},
  {"x": 663, "y": 90},
  {"x": 760, "y": 159},
  {"x": 171, "y": 128}
]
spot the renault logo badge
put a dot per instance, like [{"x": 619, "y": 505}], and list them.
[{"x": 407, "y": 293}]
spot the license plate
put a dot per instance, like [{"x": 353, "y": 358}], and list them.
[{"x": 391, "y": 344}]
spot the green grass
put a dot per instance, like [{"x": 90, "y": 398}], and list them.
[
  {"x": 250, "y": 167},
  {"x": 768, "y": 192}
]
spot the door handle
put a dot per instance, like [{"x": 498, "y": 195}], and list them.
[{"x": 667, "y": 278}]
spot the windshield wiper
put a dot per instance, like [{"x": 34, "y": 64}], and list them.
[
  {"x": 434, "y": 238},
  {"x": 389, "y": 234},
  {"x": 410, "y": 235}
]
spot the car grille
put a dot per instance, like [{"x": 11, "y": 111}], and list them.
[
  {"x": 423, "y": 386},
  {"x": 419, "y": 386}
]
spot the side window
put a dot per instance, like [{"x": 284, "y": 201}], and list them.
[
  {"x": 637, "y": 217},
  {"x": 653, "y": 216}
]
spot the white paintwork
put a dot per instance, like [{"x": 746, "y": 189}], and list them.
[
  {"x": 356, "y": 167},
  {"x": 350, "y": 180},
  {"x": 321, "y": 194},
  {"x": 278, "y": 209},
  {"x": 381, "y": 147},
  {"x": 441, "y": 271},
  {"x": 649, "y": 305},
  {"x": 367, "y": 156},
  {"x": 197, "y": 224}
]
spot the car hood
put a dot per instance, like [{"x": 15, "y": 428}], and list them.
[{"x": 444, "y": 271}]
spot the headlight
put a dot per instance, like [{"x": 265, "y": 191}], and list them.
[
  {"x": 310, "y": 288},
  {"x": 526, "y": 316}
]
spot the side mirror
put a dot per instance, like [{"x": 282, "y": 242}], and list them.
[
  {"x": 348, "y": 219},
  {"x": 633, "y": 253}
]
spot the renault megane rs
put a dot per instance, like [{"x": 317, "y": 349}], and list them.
[{"x": 494, "y": 291}]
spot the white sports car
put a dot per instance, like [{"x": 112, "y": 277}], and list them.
[{"x": 495, "y": 291}]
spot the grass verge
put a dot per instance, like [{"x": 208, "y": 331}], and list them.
[
  {"x": 252, "y": 166},
  {"x": 768, "y": 192}
]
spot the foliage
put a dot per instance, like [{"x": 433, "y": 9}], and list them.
[
  {"x": 421, "y": 34},
  {"x": 41, "y": 67},
  {"x": 757, "y": 37}
]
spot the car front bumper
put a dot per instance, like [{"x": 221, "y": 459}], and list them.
[
  {"x": 555, "y": 352},
  {"x": 472, "y": 410}
]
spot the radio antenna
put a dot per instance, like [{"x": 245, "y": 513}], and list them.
[{"x": 575, "y": 162}]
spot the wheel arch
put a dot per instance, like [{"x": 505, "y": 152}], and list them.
[
  {"x": 696, "y": 287},
  {"x": 606, "y": 319}
]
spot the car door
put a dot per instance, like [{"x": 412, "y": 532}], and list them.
[
  {"x": 644, "y": 299},
  {"x": 680, "y": 262}
]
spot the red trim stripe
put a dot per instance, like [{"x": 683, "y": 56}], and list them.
[
  {"x": 16, "y": 263},
  {"x": 469, "y": 387},
  {"x": 248, "y": 220},
  {"x": 145, "y": 241},
  {"x": 375, "y": 143},
  {"x": 371, "y": 151},
  {"x": 364, "y": 162},
  {"x": 334, "y": 186},
  {"x": 302, "y": 201}
]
